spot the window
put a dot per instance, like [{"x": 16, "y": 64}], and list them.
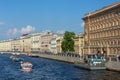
[
  {"x": 113, "y": 23},
  {"x": 117, "y": 22}
]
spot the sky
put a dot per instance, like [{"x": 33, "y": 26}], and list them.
[{"x": 19, "y": 17}]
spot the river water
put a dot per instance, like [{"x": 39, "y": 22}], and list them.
[{"x": 44, "y": 69}]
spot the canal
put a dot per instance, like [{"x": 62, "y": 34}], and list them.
[{"x": 44, "y": 69}]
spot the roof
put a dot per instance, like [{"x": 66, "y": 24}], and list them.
[{"x": 102, "y": 9}]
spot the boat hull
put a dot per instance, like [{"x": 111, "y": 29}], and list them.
[
  {"x": 26, "y": 69},
  {"x": 90, "y": 67}
]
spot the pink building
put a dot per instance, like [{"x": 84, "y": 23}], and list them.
[{"x": 45, "y": 41}]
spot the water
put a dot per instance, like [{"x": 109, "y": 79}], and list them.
[{"x": 44, "y": 69}]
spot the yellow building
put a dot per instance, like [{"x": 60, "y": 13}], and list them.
[
  {"x": 102, "y": 30},
  {"x": 79, "y": 43},
  {"x": 15, "y": 45},
  {"x": 58, "y": 44},
  {"x": 5, "y": 45}
]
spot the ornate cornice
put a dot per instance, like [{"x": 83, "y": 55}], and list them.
[{"x": 101, "y": 10}]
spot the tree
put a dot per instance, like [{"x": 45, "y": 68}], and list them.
[{"x": 68, "y": 42}]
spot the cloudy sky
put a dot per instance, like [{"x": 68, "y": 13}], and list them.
[{"x": 18, "y": 17}]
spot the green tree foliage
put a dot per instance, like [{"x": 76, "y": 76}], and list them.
[{"x": 68, "y": 42}]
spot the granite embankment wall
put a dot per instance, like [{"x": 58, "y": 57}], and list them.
[
  {"x": 61, "y": 57},
  {"x": 113, "y": 65},
  {"x": 72, "y": 58},
  {"x": 64, "y": 58}
]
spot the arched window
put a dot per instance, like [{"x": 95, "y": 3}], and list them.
[
  {"x": 113, "y": 23},
  {"x": 117, "y": 22},
  {"x": 116, "y": 32},
  {"x": 103, "y": 25}
]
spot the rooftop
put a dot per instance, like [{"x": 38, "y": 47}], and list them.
[{"x": 102, "y": 9}]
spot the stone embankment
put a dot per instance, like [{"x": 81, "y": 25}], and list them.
[
  {"x": 70, "y": 58},
  {"x": 113, "y": 64},
  {"x": 63, "y": 58}
]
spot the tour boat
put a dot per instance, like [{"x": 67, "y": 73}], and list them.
[
  {"x": 113, "y": 63},
  {"x": 26, "y": 66},
  {"x": 91, "y": 63},
  {"x": 14, "y": 58}
]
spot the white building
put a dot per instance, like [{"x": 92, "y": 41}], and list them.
[
  {"x": 36, "y": 42},
  {"x": 53, "y": 46}
]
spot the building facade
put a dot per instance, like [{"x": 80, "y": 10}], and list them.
[
  {"x": 46, "y": 41},
  {"x": 26, "y": 44},
  {"x": 5, "y": 45},
  {"x": 59, "y": 44},
  {"x": 102, "y": 30},
  {"x": 79, "y": 43},
  {"x": 53, "y": 46},
  {"x": 16, "y": 45},
  {"x": 35, "y": 40}
]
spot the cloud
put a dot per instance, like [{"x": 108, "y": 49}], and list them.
[
  {"x": 12, "y": 31},
  {"x": 27, "y": 29},
  {"x": 23, "y": 30}
]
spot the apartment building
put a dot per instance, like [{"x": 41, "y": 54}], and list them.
[
  {"x": 35, "y": 41},
  {"x": 46, "y": 40},
  {"x": 79, "y": 43},
  {"x": 102, "y": 30}
]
